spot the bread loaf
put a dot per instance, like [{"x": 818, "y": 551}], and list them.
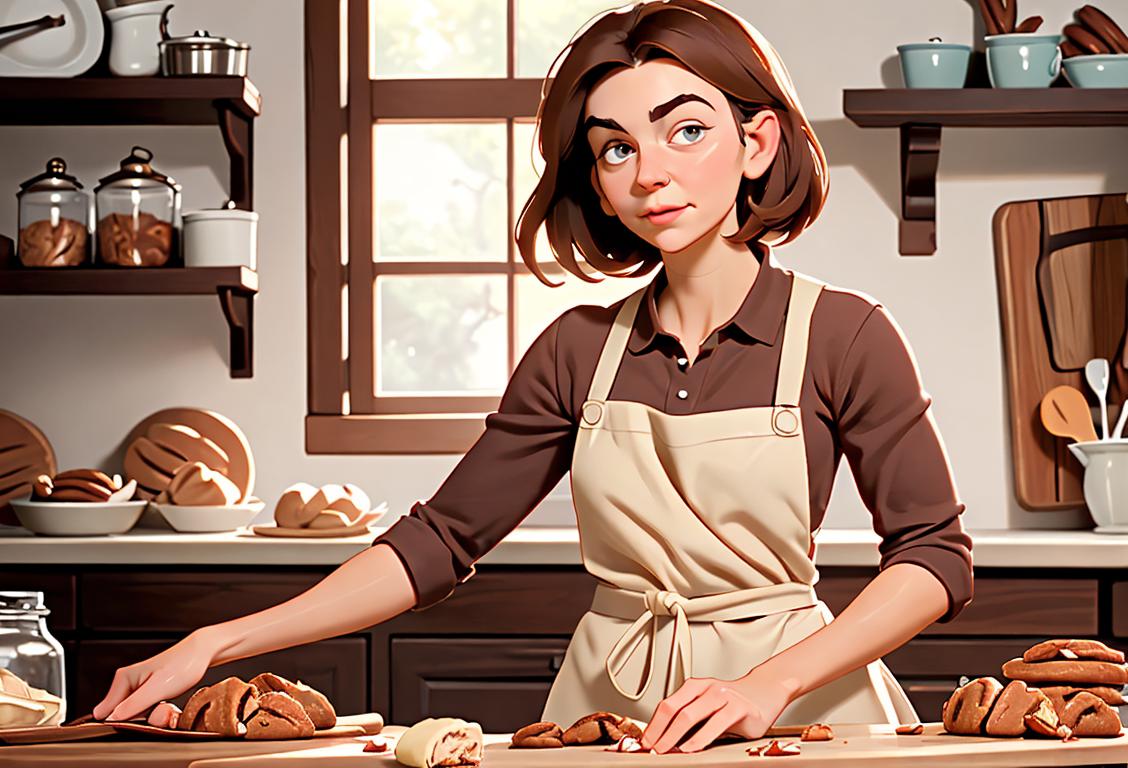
[
  {"x": 196, "y": 485},
  {"x": 445, "y": 741},
  {"x": 219, "y": 708},
  {"x": 315, "y": 703},
  {"x": 279, "y": 716}
]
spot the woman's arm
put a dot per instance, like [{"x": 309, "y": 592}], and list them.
[{"x": 371, "y": 587}]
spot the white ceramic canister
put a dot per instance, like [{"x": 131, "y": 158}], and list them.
[
  {"x": 136, "y": 31},
  {"x": 1106, "y": 482},
  {"x": 223, "y": 237}
]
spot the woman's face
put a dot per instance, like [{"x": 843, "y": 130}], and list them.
[{"x": 669, "y": 159}]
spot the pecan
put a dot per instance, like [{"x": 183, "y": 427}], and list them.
[
  {"x": 916, "y": 729},
  {"x": 1043, "y": 719},
  {"x": 817, "y": 732},
  {"x": 776, "y": 748}
]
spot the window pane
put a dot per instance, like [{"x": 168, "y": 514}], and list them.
[
  {"x": 441, "y": 335},
  {"x": 537, "y": 305},
  {"x": 437, "y": 38},
  {"x": 544, "y": 28},
  {"x": 440, "y": 192}
]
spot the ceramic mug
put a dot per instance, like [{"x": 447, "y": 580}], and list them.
[
  {"x": 1106, "y": 482},
  {"x": 1023, "y": 60},
  {"x": 934, "y": 64},
  {"x": 136, "y": 31}
]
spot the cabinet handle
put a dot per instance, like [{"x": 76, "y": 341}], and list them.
[{"x": 555, "y": 662}]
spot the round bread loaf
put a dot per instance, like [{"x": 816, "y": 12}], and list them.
[{"x": 440, "y": 742}]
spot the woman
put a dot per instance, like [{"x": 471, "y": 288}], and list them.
[{"x": 703, "y": 419}]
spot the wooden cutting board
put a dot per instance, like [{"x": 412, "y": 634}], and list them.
[
  {"x": 856, "y": 746},
  {"x": 1062, "y": 268}
]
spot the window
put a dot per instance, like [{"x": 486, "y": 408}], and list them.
[{"x": 419, "y": 120}]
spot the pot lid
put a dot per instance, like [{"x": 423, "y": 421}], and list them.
[
  {"x": 137, "y": 167},
  {"x": 201, "y": 37},
  {"x": 54, "y": 178}
]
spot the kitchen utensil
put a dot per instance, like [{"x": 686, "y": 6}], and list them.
[
  {"x": 54, "y": 219},
  {"x": 1065, "y": 413},
  {"x": 77, "y": 518},
  {"x": 1096, "y": 374},
  {"x": 362, "y": 526},
  {"x": 63, "y": 51},
  {"x": 1106, "y": 483},
  {"x": 220, "y": 238},
  {"x": 1119, "y": 429},
  {"x": 25, "y": 454},
  {"x": 1100, "y": 70},
  {"x": 203, "y": 54},
  {"x": 934, "y": 64},
  {"x": 136, "y": 31},
  {"x": 138, "y": 214},
  {"x": 188, "y": 519},
  {"x": 35, "y": 25},
  {"x": 1023, "y": 60}
]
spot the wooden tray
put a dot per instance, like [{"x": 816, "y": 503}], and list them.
[{"x": 350, "y": 725}]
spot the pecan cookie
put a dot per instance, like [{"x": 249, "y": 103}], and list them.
[
  {"x": 1007, "y": 717},
  {"x": 1072, "y": 650},
  {"x": 1060, "y": 695},
  {"x": 1089, "y": 671},
  {"x": 968, "y": 706},
  {"x": 542, "y": 735},
  {"x": 1088, "y": 715},
  {"x": 601, "y": 727}
]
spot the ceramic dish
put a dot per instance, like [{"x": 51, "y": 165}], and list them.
[
  {"x": 77, "y": 518},
  {"x": 63, "y": 51},
  {"x": 209, "y": 519},
  {"x": 1103, "y": 70}
]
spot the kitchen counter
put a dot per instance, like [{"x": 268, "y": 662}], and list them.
[{"x": 525, "y": 546}]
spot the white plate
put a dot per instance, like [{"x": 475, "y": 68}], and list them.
[
  {"x": 208, "y": 519},
  {"x": 63, "y": 51},
  {"x": 77, "y": 518}
]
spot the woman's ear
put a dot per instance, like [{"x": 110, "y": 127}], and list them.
[
  {"x": 603, "y": 203},
  {"x": 761, "y": 143}
]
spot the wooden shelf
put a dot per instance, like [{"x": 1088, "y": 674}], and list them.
[
  {"x": 235, "y": 286},
  {"x": 921, "y": 113}
]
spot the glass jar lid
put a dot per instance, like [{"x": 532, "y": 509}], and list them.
[
  {"x": 22, "y": 603},
  {"x": 54, "y": 179},
  {"x": 137, "y": 168}
]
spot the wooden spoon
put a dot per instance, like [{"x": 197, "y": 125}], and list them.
[{"x": 1065, "y": 413}]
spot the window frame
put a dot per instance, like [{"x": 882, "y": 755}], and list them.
[{"x": 343, "y": 104}]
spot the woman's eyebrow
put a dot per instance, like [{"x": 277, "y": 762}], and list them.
[{"x": 656, "y": 114}]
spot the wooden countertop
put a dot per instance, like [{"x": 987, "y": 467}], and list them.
[{"x": 855, "y": 746}]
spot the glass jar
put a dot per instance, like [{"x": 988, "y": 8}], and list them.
[
  {"x": 138, "y": 212},
  {"x": 54, "y": 214},
  {"x": 28, "y": 649}
]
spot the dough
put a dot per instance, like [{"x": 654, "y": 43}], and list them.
[
  {"x": 444, "y": 741},
  {"x": 23, "y": 705}
]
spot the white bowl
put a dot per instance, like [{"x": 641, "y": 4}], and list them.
[
  {"x": 77, "y": 518},
  {"x": 209, "y": 519}
]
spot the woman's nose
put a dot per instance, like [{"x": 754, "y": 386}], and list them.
[{"x": 652, "y": 172}]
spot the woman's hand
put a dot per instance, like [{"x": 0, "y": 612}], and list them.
[
  {"x": 168, "y": 674},
  {"x": 746, "y": 707}
]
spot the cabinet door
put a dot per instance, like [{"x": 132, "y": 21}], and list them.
[
  {"x": 338, "y": 668},
  {"x": 1120, "y": 609},
  {"x": 502, "y": 683}
]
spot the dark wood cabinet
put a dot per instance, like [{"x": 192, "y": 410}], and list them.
[{"x": 492, "y": 649}]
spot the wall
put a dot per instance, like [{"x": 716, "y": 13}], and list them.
[{"x": 85, "y": 369}]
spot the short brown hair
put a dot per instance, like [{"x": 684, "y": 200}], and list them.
[{"x": 715, "y": 45}]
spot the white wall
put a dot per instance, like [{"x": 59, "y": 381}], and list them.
[{"x": 85, "y": 369}]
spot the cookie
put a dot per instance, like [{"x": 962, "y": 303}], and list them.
[
  {"x": 1088, "y": 671},
  {"x": 969, "y": 705},
  {"x": 1072, "y": 650}
]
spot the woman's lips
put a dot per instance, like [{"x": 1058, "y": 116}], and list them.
[{"x": 666, "y": 216}]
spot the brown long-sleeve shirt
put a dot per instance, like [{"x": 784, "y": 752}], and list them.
[{"x": 861, "y": 397}]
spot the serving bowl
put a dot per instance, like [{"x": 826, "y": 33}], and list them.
[
  {"x": 77, "y": 518},
  {"x": 209, "y": 519},
  {"x": 1100, "y": 70}
]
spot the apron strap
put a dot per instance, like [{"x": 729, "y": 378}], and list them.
[
  {"x": 796, "y": 333},
  {"x": 612, "y": 354}
]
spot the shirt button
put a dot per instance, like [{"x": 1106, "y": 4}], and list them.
[
  {"x": 683, "y": 361},
  {"x": 682, "y": 394}
]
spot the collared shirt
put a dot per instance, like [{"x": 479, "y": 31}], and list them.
[{"x": 861, "y": 398}]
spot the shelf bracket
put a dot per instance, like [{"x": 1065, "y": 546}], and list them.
[
  {"x": 238, "y": 137},
  {"x": 238, "y": 308},
  {"x": 920, "y": 157}
]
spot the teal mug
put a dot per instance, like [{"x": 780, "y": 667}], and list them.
[
  {"x": 1023, "y": 60},
  {"x": 934, "y": 64}
]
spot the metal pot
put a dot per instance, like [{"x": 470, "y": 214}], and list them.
[{"x": 203, "y": 54}]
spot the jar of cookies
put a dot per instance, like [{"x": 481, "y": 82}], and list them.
[
  {"x": 32, "y": 676},
  {"x": 138, "y": 212},
  {"x": 54, "y": 221}
]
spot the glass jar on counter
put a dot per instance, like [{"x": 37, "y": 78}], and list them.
[
  {"x": 54, "y": 219},
  {"x": 31, "y": 653},
  {"x": 138, "y": 212}
]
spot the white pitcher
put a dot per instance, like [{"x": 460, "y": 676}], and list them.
[
  {"x": 136, "y": 30},
  {"x": 1106, "y": 482}
]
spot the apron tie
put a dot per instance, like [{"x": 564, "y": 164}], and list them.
[{"x": 655, "y": 603}]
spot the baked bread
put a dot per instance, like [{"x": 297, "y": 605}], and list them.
[
  {"x": 1007, "y": 717},
  {"x": 82, "y": 485},
  {"x": 24, "y": 705},
  {"x": 197, "y": 485},
  {"x": 279, "y": 716},
  {"x": 1088, "y": 715},
  {"x": 601, "y": 727},
  {"x": 444, "y": 741},
  {"x": 542, "y": 735},
  {"x": 1089, "y": 671},
  {"x": 153, "y": 458},
  {"x": 315, "y": 704},
  {"x": 1072, "y": 650},
  {"x": 330, "y": 506},
  {"x": 968, "y": 706},
  {"x": 219, "y": 708}
]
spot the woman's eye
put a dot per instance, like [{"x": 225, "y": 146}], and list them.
[
  {"x": 691, "y": 133},
  {"x": 618, "y": 154}
]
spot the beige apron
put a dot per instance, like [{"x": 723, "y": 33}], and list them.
[{"x": 697, "y": 527}]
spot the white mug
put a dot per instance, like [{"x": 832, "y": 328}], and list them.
[{"x": 136, "y": 31}]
